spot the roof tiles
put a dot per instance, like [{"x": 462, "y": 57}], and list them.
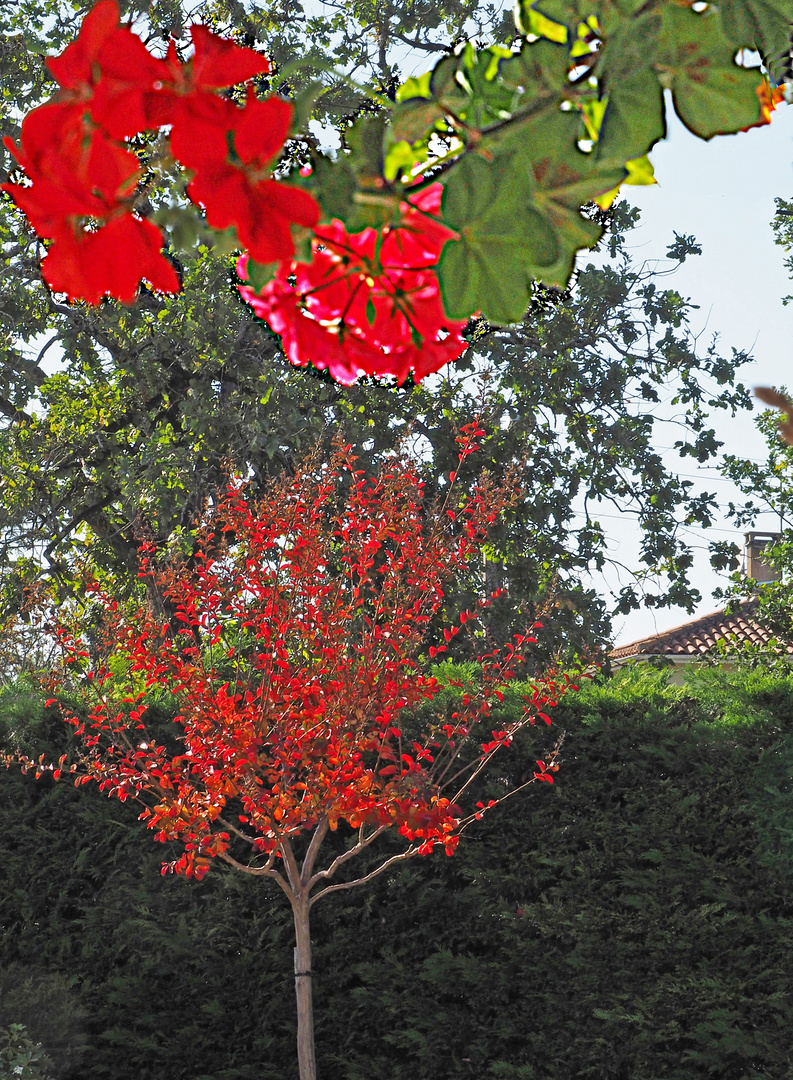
[{"x": 698, "y": 637}]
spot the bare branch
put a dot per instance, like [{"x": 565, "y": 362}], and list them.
[
  {"x": 237, "y": 832},
  {"x": 411, "y": 851},
  {"x": 427, "y": 46},
  {"x": 45, "y": 347},
  {"x": 323, "y": 875},
  {"x": 258, "y": 871},
  {"x": 320, "y": 833},
  {"x": 497, "y": 802}
]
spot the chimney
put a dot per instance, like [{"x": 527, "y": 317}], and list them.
[{"x": 754, "y": 562}]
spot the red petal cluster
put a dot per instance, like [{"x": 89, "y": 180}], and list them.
[
  {"x": 368, "y": 302},
  {"x": 83, "y": 177},
  {"x": 234, "y": 185}
]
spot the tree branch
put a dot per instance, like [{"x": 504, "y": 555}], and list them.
[
  {"x": 292, "y": 871},
  {"x": 258, "y": 871},
  {"x": 367, "y": 877},
  {"x": 427, "y": 46},
  {"x": 320, "y": 833},
  {"x": 19, "y": 416},
  {"x": 323, "y": 875}
]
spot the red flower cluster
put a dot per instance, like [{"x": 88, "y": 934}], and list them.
[
  {"x": 83, "y": 177},
  {"x": 368, "y": 302}
]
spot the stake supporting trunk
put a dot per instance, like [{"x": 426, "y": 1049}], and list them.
[{"x": 306, "y": 1058}]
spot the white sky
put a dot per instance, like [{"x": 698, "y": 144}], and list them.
[{"x": 723, "y": 193}]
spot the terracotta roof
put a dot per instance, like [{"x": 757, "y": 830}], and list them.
[{"x": 696, "y": 638}]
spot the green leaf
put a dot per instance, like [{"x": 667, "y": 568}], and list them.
[
  {"x": 518, "y": 214},
  {"x": 365, "y": 139},
  {"x": 712, "y": 95},
  {"x": 630, "y": 7},
  {"x": 305, "y": 100},
  {"x": 530, "y": 21},
  {"x": 400, "y": 158},
  {"x": 413, "y": 118},
  {"x": 640, "y": 172},
  {"x": 763, "y": 24},
  {"x": 502, "y": 234},
  {"x": 539, "y": 69},
  {"x": 469, "y": 191},
  {"x": 487, "y": 100},
  {"x": 634, "y": 119},
  {"x": 258, "y": 274},
  {"x": 443, "y": 77},
  {"x": 335, "y": 185},
  {"x": 563, "y": 180},
  {"x": 470, "y": 280},
  {"x": 415, "y": 86}
]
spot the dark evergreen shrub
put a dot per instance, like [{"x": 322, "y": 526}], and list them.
[{"x": 633, "y": 922}]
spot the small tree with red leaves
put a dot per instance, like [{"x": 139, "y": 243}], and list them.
[{"x": 297, "y": 654}]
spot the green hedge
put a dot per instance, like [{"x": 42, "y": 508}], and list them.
[{"x": 634, "y": 922}]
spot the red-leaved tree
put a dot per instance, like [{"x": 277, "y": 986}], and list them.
[{"x": 296, "y": 647}]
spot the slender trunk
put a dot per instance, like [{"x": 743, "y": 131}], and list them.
[{"x": 306, "y": 1059}]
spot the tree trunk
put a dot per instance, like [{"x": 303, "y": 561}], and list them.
[{"x": 306, "y": 1059}]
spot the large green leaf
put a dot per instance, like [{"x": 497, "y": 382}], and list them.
[
  {"x": 563, "y": 179},
  {"x": 634, "y": 117},
  {"x": 413, "y": 117},
  {"x": 488, "y": 99},
  {"x": 501, "y": 235},
  {"x": 519, "y": 215},
  {"x": 712, "y": 95},
  {"x": 335, "y": 185},
  {"x": 764, "y": 24},
  {"x": 539, "y": 69},
  {"x": 470, "y": 281},
  {"x": 531, "y": 21},
  {"x": 634, "y": 120}
]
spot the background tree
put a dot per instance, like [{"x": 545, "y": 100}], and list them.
[
  {"x": 145, "y": 403},
  {"x": 133, "y": 426},
  {"x": 768, "y": 486},
  {"x": 299, "y": 675}
]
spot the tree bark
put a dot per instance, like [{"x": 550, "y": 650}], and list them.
[{"x": 306, "y": 1058}]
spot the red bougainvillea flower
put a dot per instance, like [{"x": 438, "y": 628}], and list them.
[
  {"x": 86, "y": 265},
  {"x": 77, "y": 171},
  {"x": 110, "y": 71},
  {"x": 187, "y": 88},
  {"x": 367, "y": 303},
  {"x": 231, "y": 150},
  {"x": 126, "y": 89},
  {"x": 82, "y": 176}
]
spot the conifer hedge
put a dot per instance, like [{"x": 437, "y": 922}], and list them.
[{"x": 633, "y": 922}]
